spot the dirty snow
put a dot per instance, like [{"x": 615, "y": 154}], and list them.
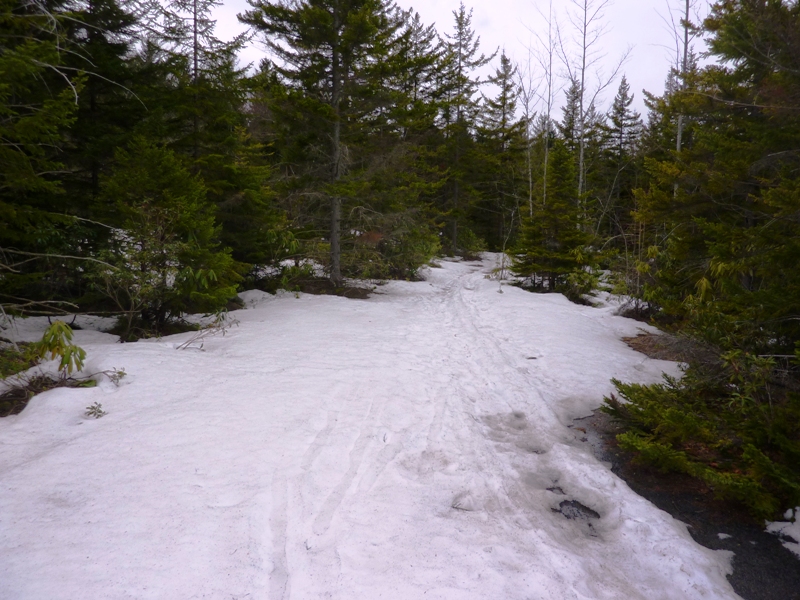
[{"x": 412, "y": 445}]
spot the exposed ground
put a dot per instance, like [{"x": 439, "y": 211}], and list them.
[{"x": 762, "y": 568}]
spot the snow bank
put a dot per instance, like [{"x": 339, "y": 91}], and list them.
[
  {"x": 788, "y": 530},
  {"x": 411, "y": 445}
]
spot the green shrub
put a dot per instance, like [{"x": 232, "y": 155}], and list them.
[
  {"x": 165, "y": 259},
  {"x": 56, "y": 343},
  {"x": 16, "y": 358},
  {"x": 730, "y": 425},
  {"x": 578, "y": 284}
]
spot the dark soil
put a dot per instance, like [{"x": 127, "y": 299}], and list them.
[
  {"x": 762, "y": 568},
  {"x": 664, "y": 346},
  {"x": 14, "y": 400},
  {"x": 319, "y": 286}
]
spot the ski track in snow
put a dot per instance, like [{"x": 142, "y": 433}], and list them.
[{"x": 411, "y": 445}]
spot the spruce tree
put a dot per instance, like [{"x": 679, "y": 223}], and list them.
[
  {"x": 501, "y": 144},
  {"x": 620, "y": 164},
  {"x": 459, "y": 113},
  {"x": 552, "y": 243},
  {"x": 165, "y": 258},
  {"x": 38, "y": 97}
]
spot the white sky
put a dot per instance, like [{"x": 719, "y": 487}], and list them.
[{"x": 512, "y": 24}]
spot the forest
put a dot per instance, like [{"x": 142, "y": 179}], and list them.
[{"x": 146, "y": 174}]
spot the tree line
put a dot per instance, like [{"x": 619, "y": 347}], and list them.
[{"x": 145, "y": 173}]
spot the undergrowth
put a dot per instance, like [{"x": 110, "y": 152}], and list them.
[
  {"x": 735, "y": 425},
  {"x": 15, "y": 359},
  {"x": 56, "y": 344}
]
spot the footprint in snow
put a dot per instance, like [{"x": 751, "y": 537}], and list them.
[{"x": 573, "y": 510}]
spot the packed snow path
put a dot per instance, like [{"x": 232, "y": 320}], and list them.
[{"x": 413, "y": 445}]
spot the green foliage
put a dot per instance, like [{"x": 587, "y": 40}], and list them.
[
  {"x": 250, "y": 225},
  {"x": 32, "y": 113},
  {"x": 165, "y": 260},
  {"x": 553, "y": 241},
  {"x": 500, "y": 173},
  {"x": 727, "y": 203},
  {"x": 397, "y": 255},
  {"x": 721, "y": 260},
  {"x": 578, "y": 284},
  {"x": 347, "y": 103},
  {"x": 95, "y": 411},
  {"x": 459, "y": 114},
  {"x": 728, "y": 425},
  {"x": 56, "y": 344},
  {"x": 38, "y": 96},
  {"x": 14, "y": 359}
]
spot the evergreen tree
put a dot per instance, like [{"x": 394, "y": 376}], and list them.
[
  {"x": 101, "y": 36},
  {"x": 423, "y": 53},
  {"x": 345, "y": 103},
  {"x": 621, "y": 164},
  {"x": 581, "y": 129},
  {"x": 552, "y": 243},
  {"x": 165, "y": 259},
  {"x": 325, "y": 48},
  {"x": 727, "y": 204},
  {"x": 37, "y": 104},
  {"x": 501, "y": 144},
  {"x": 459, "y": 114},
  {"x": 569, "y": 126}
]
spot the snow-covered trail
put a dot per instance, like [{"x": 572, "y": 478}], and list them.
[{"x": 411, "y": 445}]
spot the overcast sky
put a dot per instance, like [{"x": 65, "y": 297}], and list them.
[{"x": 513, "y": 24}]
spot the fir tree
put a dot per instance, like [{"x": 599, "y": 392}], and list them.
[
  {"x": 459, "y": 114},
  {"x": 501, "y": 144},
  {"x": 552, "y": 243},
  {"x": 165, "y": 259},
  {"x": 326, "y": 50}
]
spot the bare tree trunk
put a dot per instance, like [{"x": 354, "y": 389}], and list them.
[
  {"x": 684, "y": 67},
  {"x": 582, "y": 114}
]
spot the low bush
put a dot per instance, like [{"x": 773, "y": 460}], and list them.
[{"x": 734, "y": 424}]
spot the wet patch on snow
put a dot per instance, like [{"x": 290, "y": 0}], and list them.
[{"x": 574, "y": 510}]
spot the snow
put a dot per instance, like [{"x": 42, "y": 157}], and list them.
[
  {"x": 411, "y": 445},
  {"x": 789, "y": 530}
]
